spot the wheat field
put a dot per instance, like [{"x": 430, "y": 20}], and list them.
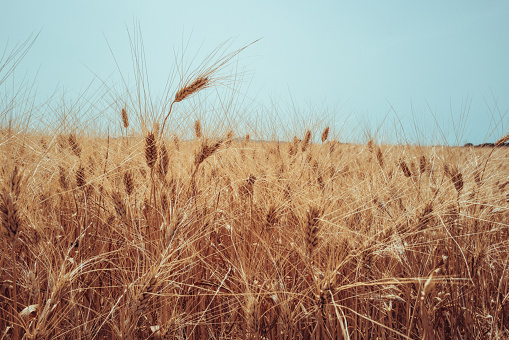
[{"x": 226, "y": 237}]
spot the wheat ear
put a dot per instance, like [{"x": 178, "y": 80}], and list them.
[
  {"x": 404, "y": 168},
  {"x": 150, "y": 150},
  {"x": 312, "y": 230},
  {"x": 379, "y": 157},
  {"x": 11, "y": 222},
  {"x": 197, "y": 129},
  {"x": 502, "y": 140},
  {"x": 307, "y": 139},
  {"x": 125, "y": 118},
  {"x": 189, "y": 89},
  {"x": 325, "y": 134},
  {"x": 80, "y": 176},
  {"x": 128, "y": 183},
  {"x": 75, "y": 146},
  {"x": 164, "y": 161}
]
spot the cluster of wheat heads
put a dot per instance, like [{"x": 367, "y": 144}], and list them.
[{"x": 232, "y": 238}]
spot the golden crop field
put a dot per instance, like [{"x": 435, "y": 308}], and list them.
[{"x": 227, "y": 237}]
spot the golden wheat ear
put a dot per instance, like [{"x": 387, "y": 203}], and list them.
[
  {"x": 404, "y": 168},
  {"x": 307, "y": 139},
  {"x": 197, "y": 85},
  {"x": 379, "y": 157},
  {"x": 125, "y": 118},
  {"x": 197, "y": 129},
  {"x": 325, "y": 134},
  {"x": 150, "y": 150},
  {"x": 75, "y": 146},
  {"x": 311, "y": 229},
  {"x": 128, "y": 183},
  {"x": 502, "y": 140}
]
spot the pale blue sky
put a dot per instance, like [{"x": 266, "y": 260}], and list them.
[{"x": 363, "y": 62}]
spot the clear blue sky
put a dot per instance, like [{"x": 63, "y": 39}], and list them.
[{"x": 400, "y": 63}]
